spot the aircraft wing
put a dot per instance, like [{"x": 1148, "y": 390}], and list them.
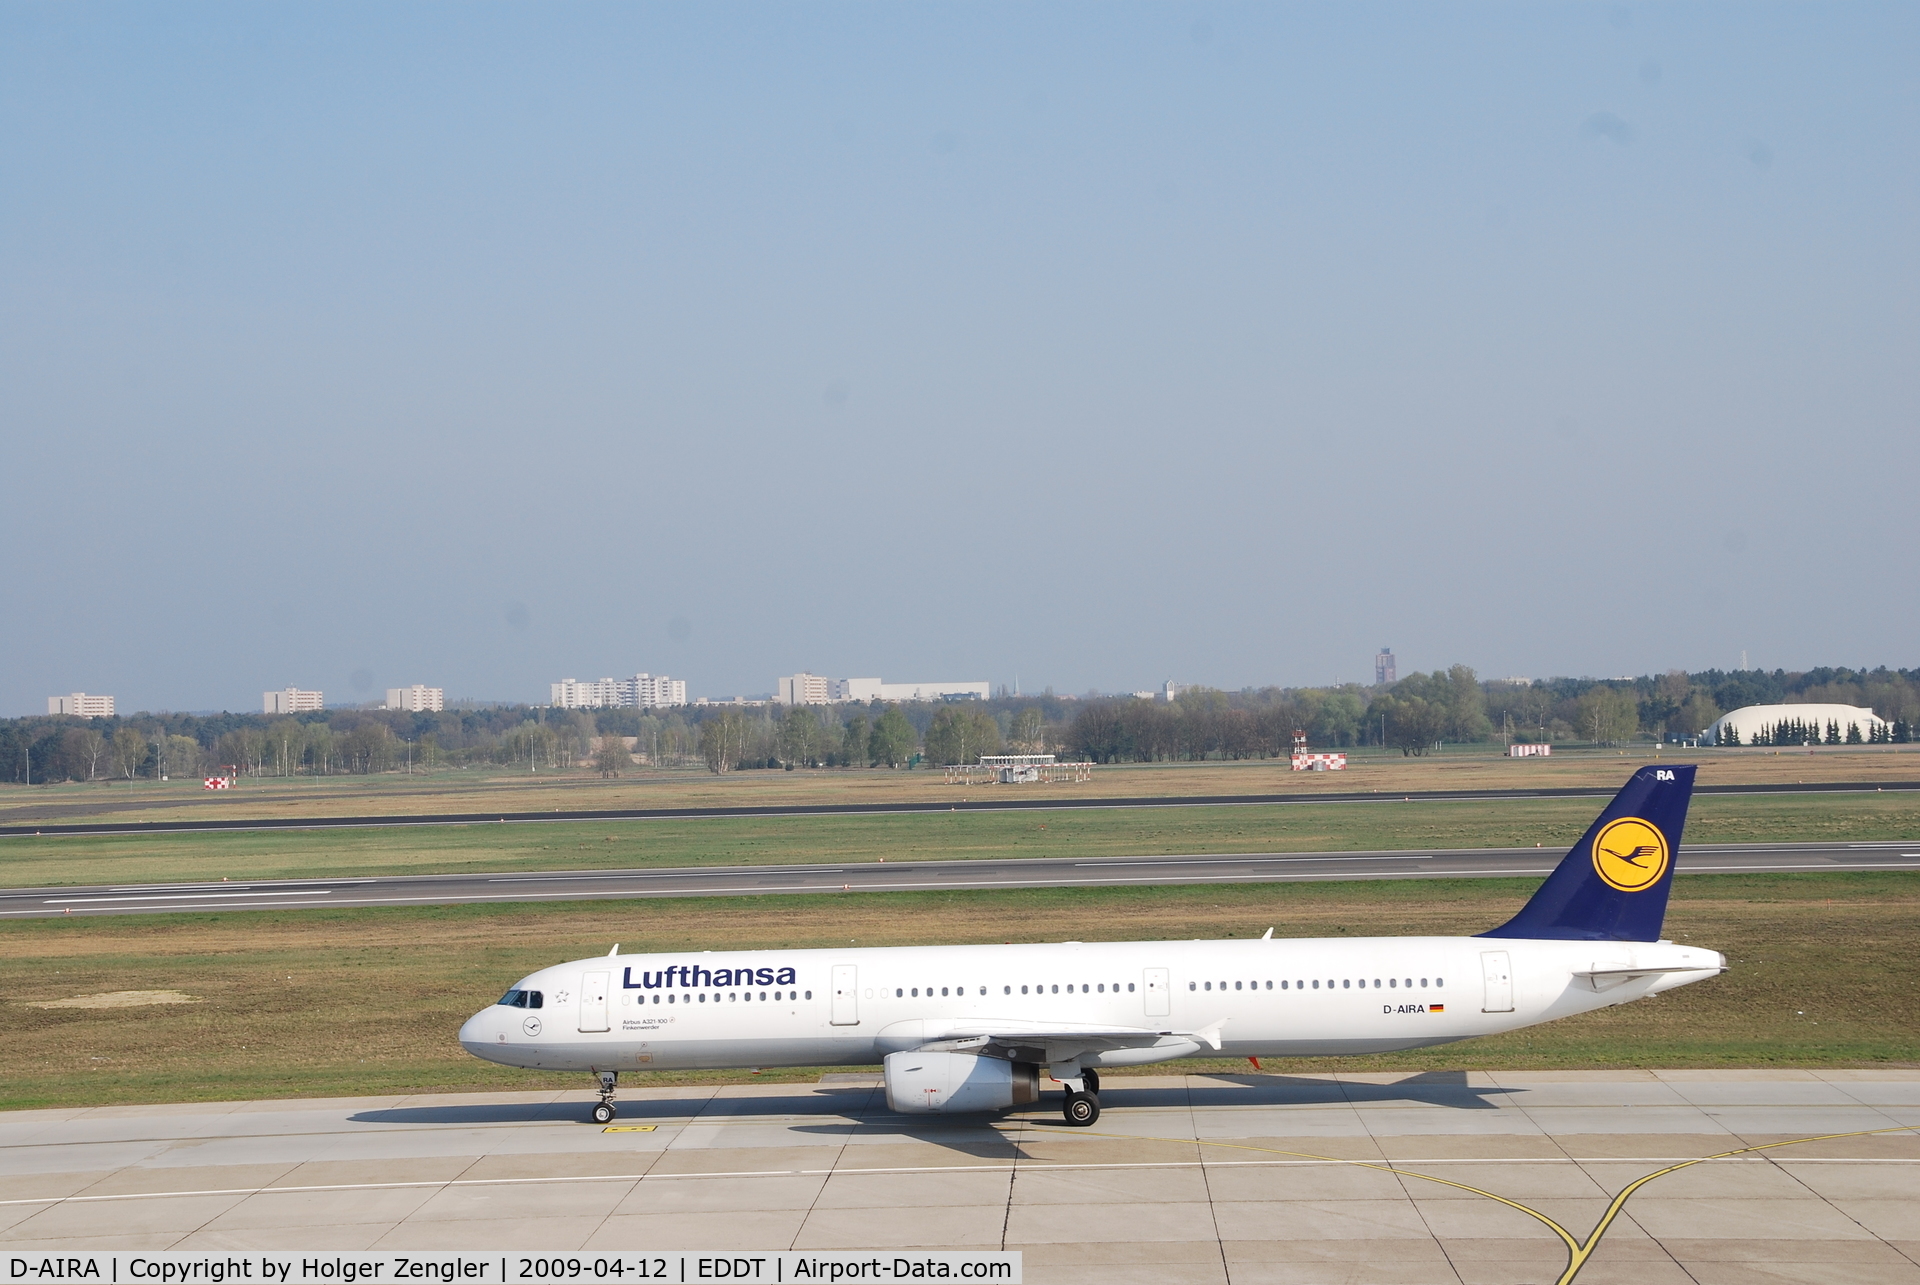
[{"x": 1038, "y": 1043}]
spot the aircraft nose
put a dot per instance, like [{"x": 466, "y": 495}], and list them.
[{"x": 472, "y": 1037}]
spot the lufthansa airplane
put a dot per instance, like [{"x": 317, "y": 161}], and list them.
[{"x": 978, "y": 1028}]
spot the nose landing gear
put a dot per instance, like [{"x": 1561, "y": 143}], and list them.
[{"x": 603, "y": 1112}]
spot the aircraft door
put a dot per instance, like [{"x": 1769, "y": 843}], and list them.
[
  {"x": 1159, "y": 987},
  {"x": 1497, "y": 968},
  {"x": 846, "y": 996},
  {"x": 593, "y": 1001}
]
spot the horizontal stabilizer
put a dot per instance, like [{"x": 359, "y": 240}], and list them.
[{"x": 1648, "y": 972}]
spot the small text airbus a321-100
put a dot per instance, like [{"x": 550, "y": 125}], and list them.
[{"x": 981, "y": 1028}]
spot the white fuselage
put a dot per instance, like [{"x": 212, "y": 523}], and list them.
[{"x": 1257, "y": 998}]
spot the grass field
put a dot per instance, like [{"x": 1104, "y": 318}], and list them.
[
  {"x": 39, "y": 861},
  {"x": 1825, "y": 971},
  {"x": 484, "y": 790}
]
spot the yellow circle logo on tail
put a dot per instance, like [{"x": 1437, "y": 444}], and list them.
[{"x": 1630, "y": 854}]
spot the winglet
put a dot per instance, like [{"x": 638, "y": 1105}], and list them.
[
  {"x": 1267, "y": 935},
  {"x": 1613, "y": 884},
  {"x": 614, "y": 951}
]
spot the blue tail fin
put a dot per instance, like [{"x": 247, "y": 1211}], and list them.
[{"x": 1613, "y": 885}]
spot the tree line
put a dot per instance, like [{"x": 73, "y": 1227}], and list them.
[{"x": 1414, "y": 715}]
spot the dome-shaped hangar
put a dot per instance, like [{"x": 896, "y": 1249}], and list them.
[{"x": 1763, "y": 721}]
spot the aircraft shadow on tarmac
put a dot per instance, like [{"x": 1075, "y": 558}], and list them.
[
  {"x": 806, "y": 1100},
  {"x": 866, "y": 1107}
]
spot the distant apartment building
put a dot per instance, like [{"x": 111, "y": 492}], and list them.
[
  {"x": 291, "y": 701},
  {"x": 811, "y": 689},
  {"x": 642, "y": 691},
  {"x": 416, "y": 699},
  {"x": 1383, "y": 668},
  {"x": 81, "y": 705}
]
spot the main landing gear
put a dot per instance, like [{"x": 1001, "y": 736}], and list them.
[
  {"x": 603, "y": 1112},
  {"x": 1082, "y": 1106}
]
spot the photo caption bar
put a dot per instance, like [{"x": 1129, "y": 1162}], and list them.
[{"x": 674, "y": 1267}]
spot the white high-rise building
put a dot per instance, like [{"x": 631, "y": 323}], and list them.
[
  {"x": 809, "y": 689},
  {"x": 81, "y": 705},
  {"x": 416, "y": 699},
  {"x": 290, "y": 701},
  {"x": 642, "y": 691}
]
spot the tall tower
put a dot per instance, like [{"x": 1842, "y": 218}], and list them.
[{"x": 1383, "y": 671}]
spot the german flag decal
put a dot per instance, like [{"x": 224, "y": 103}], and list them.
[{"x": 1436, "y": 1008}]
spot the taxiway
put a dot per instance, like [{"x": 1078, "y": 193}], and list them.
[{"x": 1458, "y": 1176}]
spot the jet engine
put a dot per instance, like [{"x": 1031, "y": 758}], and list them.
[{"x": 920, "y": 1082}]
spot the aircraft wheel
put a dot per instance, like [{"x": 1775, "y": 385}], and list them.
[
  {"x": 1091, "y": 1078},
  {"x": 1081, "y": 1109},
  {"x": 603, "y": 1113}
]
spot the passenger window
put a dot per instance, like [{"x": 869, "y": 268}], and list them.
[
  {"x": 1423, "y": 983},
  {"x": 1006, "y": 990},
  {"x": 1346, "y": 984},
  {"x": 1129, "y": 988},
  {"x": 1316, "y": 983},
  {"x": 1392, "y": 982},
  {"x": 1376, "y": 983},
  {"x": 809, "y": 994},
  {"x": 1193, "y": 986},
  {"x": 1103, "y": 988},
  {"x": 1023, "y": 990},
  {"x": 1269, "y": 985},
  {"x": 1056, "y": 990},
  {"x": 943, "y": 990},
  {"x": 1439, "y": 983},
  {"x": 1236, "y": 986},
  {"x": 1209, "y": 985}
]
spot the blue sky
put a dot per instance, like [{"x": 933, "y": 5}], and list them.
[{"x": 485, "y": 345}]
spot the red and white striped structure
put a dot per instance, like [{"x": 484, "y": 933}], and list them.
[
  {"x": 218, "y": 783},
  {"x": 1517, "y": 751},
  {"x": 1304, "y": 760}
]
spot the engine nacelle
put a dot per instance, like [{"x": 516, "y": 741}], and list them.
[{"x": 922, "y": 1082}]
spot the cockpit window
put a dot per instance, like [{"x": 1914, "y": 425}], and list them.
[{"x": 523, "y": 999}]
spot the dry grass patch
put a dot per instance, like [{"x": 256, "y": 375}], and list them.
[{"x": 116, "y": 999}]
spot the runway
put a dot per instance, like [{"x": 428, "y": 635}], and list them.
[
  {"x": 905, "y": 876},
  {"x": 1454, "y": 1176},
  {"x": 997, "y": 802}
]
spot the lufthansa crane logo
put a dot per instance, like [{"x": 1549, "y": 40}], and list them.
[{"x": 1630, "y": 854}]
